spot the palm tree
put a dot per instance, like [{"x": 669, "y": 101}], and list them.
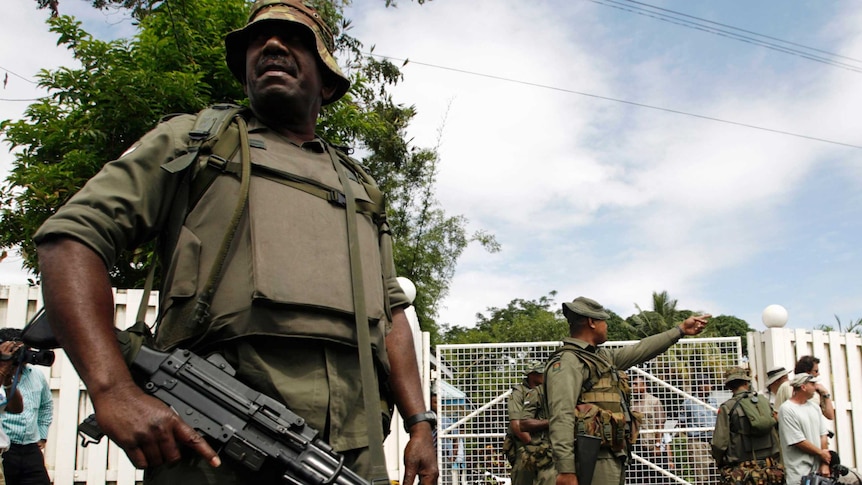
[{"x": 662, "y": 316}]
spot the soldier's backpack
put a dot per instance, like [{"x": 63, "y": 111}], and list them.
[{"x": 755, "y": 413}]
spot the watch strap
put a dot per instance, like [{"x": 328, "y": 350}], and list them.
[{"x": 428, "y": 416}]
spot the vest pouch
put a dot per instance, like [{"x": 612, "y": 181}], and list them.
[
  {"x": 537, "y": 455},
  {"x": 290, "y": 229},
  {"x": 591, "y": 420}
]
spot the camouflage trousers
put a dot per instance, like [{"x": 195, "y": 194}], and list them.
[{"x": 769, "y": 471}]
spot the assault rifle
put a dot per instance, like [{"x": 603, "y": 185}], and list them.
[{"x": 251, "y": 427}]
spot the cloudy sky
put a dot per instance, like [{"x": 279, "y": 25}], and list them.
[{"x": 542, "y": 113}]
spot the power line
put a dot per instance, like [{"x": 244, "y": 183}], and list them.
[
  {"x": 733, "y": 35},
  {"x": 18, "y": 75},
  {"x": 746, "y": 31},
  {"x": 13, "y": 100},
  {"x": 617, "y": 100}
]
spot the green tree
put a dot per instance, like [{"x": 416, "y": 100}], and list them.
[
  {"x": 664, "y": 315},
  {"x": 728, "y": 326},
  {"x": 175, "y": 63},
  {"x": 519, "y": 321}
]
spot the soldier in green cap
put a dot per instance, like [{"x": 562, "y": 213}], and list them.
[
  {"x": 587, "y": 384},
  {"x": 285, "y": 289},
  {"x": 533, "y": 377}
]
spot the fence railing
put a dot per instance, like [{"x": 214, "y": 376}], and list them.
[{"x": 478, "y": 379}]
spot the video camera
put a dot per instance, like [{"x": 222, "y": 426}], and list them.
[
  {"x": 836, "y": 470},
  {"x": 25, "y": 354}
]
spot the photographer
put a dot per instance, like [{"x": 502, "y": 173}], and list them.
[
  {"x": 8, "y": 402},
  {"x": 24, "y": 462}
]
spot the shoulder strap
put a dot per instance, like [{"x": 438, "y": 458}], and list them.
[
  {"x": 366, "y": 363},
  {"x": 596, "y": 365}
]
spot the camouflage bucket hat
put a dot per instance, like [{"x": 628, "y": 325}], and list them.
[
  {"x": 735, "y": 374},
  {"x": 534, "y": 366},
  {"x": 294, "y": 11},
  {"x": 586, "y": 307}
]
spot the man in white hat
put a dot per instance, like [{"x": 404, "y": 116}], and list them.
[
  {"x": 775, "y": 377},
  {"x": 803, "y": 431}
]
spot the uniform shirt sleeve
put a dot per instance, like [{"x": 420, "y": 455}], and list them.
[
  {"x": 124, "y": 204},
  {"x": 721, "y": 436},
  {"x": 563, "y": 380},
  {"x": 515, "y": 406},
  {"x": 532, "y": 401},
  {"x": 646, "y": 349}
]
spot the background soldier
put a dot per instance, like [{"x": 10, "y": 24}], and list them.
[
  {"x": 583, "y": 373},
  {"x": 534, "y": 376},
  {"x": 743, "y": 453},
  {"x": 534, "y": 420}
]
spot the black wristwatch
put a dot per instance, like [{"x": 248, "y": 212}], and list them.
[{"x": 429, "y": 416}]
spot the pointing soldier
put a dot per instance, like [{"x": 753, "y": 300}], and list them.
[{"x": 581, "y": 374}]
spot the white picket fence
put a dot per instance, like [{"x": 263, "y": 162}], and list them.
[
  {"x": 68, "y": 462},
  {"x": 840, "y": 357}
]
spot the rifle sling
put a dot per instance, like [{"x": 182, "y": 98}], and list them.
[{"x": 379, "y": 474}]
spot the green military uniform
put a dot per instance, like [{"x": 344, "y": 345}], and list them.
[
  {"x": 520, "y": 475},
  {"x": 537, "y": 454},
  {"x": 312, "y": 365},
  {"x": 741, "y": 456},
  {"x": 564, "y": 380}
]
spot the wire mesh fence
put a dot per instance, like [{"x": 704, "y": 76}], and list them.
[{"x": 679, "y": 393}]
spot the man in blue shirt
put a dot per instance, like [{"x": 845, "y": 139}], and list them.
[
  {"x": 24, "y": 462},
  {"x": 698, "y": 415}
]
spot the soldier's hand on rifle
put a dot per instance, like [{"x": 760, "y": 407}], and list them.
[
  {"x": 567, "y": 479},
  {"x": 695, "y": 324},
  {"x": 146, "y": 429}
]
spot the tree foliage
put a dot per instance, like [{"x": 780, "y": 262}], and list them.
[
  {"x": 854, "y": 326},
  {"x": 175, "y": 63},
  {"x": 540, "y": 321},
  {"x": 520, "y": 321}
]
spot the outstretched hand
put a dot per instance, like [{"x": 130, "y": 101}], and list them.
[
  {"x": 693, "y": 325},
  {"x": 147, "y": 430}
]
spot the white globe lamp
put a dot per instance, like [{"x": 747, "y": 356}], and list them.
[
  {"x": 774, "y": 316},
  {"x": 408, "y": 287}
]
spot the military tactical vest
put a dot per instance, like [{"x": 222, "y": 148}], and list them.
[
  {"x": 288, "y": 216},
  {"x": 604, "y": 404}
]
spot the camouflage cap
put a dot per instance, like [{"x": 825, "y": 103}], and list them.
[
  {"x": 534, "y": 366},
  {"x": 586, "y": 307},
  {"x": 294, "y": 11},
  {"x": 736, "y": 374},
  {"x": 803, "y": 378}
]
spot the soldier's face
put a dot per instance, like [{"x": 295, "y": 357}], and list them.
[
  {"x": 282, "y": 68},
  {"x": 601, "y": 330}
]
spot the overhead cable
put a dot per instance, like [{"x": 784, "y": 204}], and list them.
[{"x": 616, "y": 100}]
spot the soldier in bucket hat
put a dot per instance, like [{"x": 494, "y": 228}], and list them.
[
  {"x": 533, "y": 378},
  {"x": 582, "y": 376},
  {"x": 272, "y": 290}
]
